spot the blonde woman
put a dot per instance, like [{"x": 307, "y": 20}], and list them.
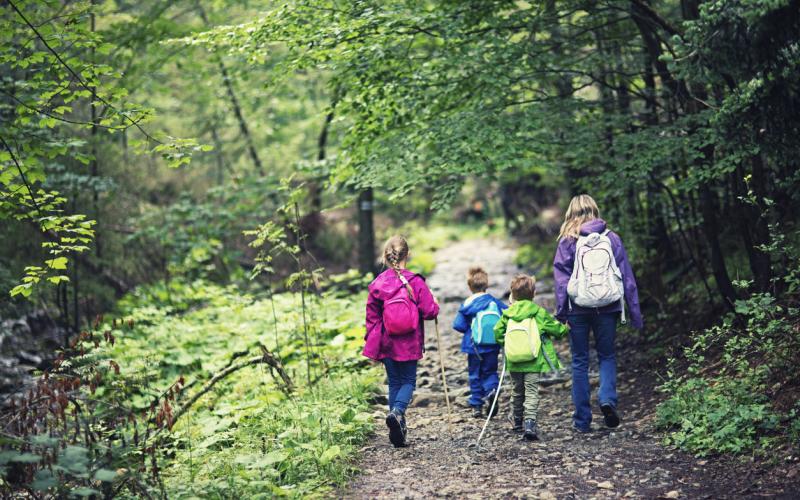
[{"x": 582, "y": 219}]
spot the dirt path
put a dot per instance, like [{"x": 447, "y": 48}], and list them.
[{"x": 625, "y": 462}]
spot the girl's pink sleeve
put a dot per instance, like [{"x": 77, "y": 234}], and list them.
[
  {"x": 372, "y": 344},
  {"x": 427, "y": 306}
]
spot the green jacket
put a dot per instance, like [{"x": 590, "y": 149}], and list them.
[{"x": 549, "y": 328}]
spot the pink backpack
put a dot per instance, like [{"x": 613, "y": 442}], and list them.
[{"x": 400, "y": 312}]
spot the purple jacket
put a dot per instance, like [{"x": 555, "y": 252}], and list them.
[
  {"x": 562, "y": 270},
  {"x": 378, "y": 344}
]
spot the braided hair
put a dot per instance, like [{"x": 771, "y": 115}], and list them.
[{"x": 395, "y": 251}]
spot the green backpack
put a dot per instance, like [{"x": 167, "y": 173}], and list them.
[{"x": 523, "y": 341}]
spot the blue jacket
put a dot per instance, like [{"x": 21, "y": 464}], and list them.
[{"x": 466, "y": 313}]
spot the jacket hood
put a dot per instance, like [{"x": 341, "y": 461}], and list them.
[
  {"x": 593, "y": 226},
  {"x": 475, "y": 303},
  {"x": 386, "y": 284},
  {"x": 522, "y": 309}
]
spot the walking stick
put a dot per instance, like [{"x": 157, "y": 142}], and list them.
[
  {"x": 441, "y": 365},
  {"x": 494, "y": 403}
]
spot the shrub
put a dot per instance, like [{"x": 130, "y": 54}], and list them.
[{"x": 733, "y": 392}]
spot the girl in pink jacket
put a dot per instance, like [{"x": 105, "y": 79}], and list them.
[{"x": 398, "y": 300}]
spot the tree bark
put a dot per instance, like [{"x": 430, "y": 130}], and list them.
[
  {"x": 237, "y": 109},
  {"x": 366, "y": 232},
  {"x": 708, "y": 208}
]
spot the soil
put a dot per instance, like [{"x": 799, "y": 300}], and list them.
[{"x": 629, "y": 461}]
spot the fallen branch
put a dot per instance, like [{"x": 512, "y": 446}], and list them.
[{"x": 266, "y": 358}]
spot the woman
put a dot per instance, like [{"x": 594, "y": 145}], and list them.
[{"x": 583, "y": 218}]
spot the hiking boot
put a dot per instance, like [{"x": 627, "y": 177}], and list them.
[
  {"x": 531, "y": 432},
  {"x": 518, "y": 428},
  {"x": 396, "y": 422},
  {"x": 610, "y": 415},
  {"x": 477, "y": 411},
  {"x": 489, "y": 399}
]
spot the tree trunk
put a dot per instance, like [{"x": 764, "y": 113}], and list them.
[
  {"x": 366, "y": 232},
  {"x": 708, "y": 208},
  {"x": 237, "y": 109},
  {"x": 312, "y": 221},
  {"x": 95, "y": 169}
]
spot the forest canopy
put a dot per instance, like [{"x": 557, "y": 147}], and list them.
[{"x": 178, "y": 153}]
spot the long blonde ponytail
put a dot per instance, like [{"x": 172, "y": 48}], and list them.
[{"x": 581, "y": 209}]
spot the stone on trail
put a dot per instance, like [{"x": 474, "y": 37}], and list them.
[
  {"x": 606, "y": 485},
  {"x": 672, "y": 494}
]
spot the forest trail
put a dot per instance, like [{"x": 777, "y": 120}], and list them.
[{"x": 625, "y": 462}]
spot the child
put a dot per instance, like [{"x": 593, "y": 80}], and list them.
[
  {"x": 481, "y": 354},
  {"x": 397, "y": 300},
  {"x": 525, "y": 326}
]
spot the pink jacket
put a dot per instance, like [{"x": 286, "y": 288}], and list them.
[{"x": 378, "y": 344}]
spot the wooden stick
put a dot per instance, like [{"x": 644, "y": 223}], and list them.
[{"x": 441, "y": 365}]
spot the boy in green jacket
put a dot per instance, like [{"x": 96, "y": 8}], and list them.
[{"x": 529, "y": 351}]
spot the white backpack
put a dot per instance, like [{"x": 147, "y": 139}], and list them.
[{"x": 596, "y": 280}]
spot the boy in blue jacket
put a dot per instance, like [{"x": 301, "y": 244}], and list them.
[{"x": 476, "y": 319}]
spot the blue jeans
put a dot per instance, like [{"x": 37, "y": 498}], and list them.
[
  {"x": 402, "y": 377},
  {"x": 482, "y": 376},
  {"x": 604, "y": 326}
]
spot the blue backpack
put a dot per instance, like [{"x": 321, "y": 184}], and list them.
[{"x": 483, "y": 325}]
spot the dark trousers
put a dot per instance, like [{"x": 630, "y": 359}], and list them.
[
  {"x": 482, "y": 376},
  {"x": 402, "y": 377}
]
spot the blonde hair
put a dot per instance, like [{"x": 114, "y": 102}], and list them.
[
  {"x": 395, "y": 251},
  {"x": 523, "y": 287},
  {"x": 581, "y": 209},
  {"x": 477, "y": 279}
]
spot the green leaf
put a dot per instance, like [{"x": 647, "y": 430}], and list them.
[
  {"x": 23, "y": 289},
  {"x": 57, "y": 263},
  {"x": 58, "y": 279},
  {"x": 26, "y": 458},
  {"x": 84, "y": 491},
  {"x": 330, "y": 454},
  {"x": 105, "y": 475}
]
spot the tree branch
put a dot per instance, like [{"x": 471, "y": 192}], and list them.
[{"x": 77, "y": 77}]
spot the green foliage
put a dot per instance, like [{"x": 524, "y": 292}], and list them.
[
  {"x": 52, "y": 74},
  {"x": 731, "y": 398},
  {"x": 537, "y": 257},
  {"x": 249, "y": 438},
  {"x": 260, "y": 447}
]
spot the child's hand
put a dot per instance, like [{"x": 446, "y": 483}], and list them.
[{"x": 435, "y": 300}]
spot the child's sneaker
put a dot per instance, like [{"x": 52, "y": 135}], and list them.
[
  {"x": 531, "y": 432},
  {"x": 477, "y": 412}
]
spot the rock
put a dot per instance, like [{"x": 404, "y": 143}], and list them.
[
  {"x": 605, "y": 485},
  {"x": 672, "y": 494}
]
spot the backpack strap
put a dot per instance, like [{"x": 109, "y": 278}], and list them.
[{"x": 406, "y": 284}]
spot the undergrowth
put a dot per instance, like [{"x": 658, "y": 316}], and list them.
[
  {"x": 182, "y": 399},
  {"x": 247, "y": 438},
  {"x": 737, "y": 393}
]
